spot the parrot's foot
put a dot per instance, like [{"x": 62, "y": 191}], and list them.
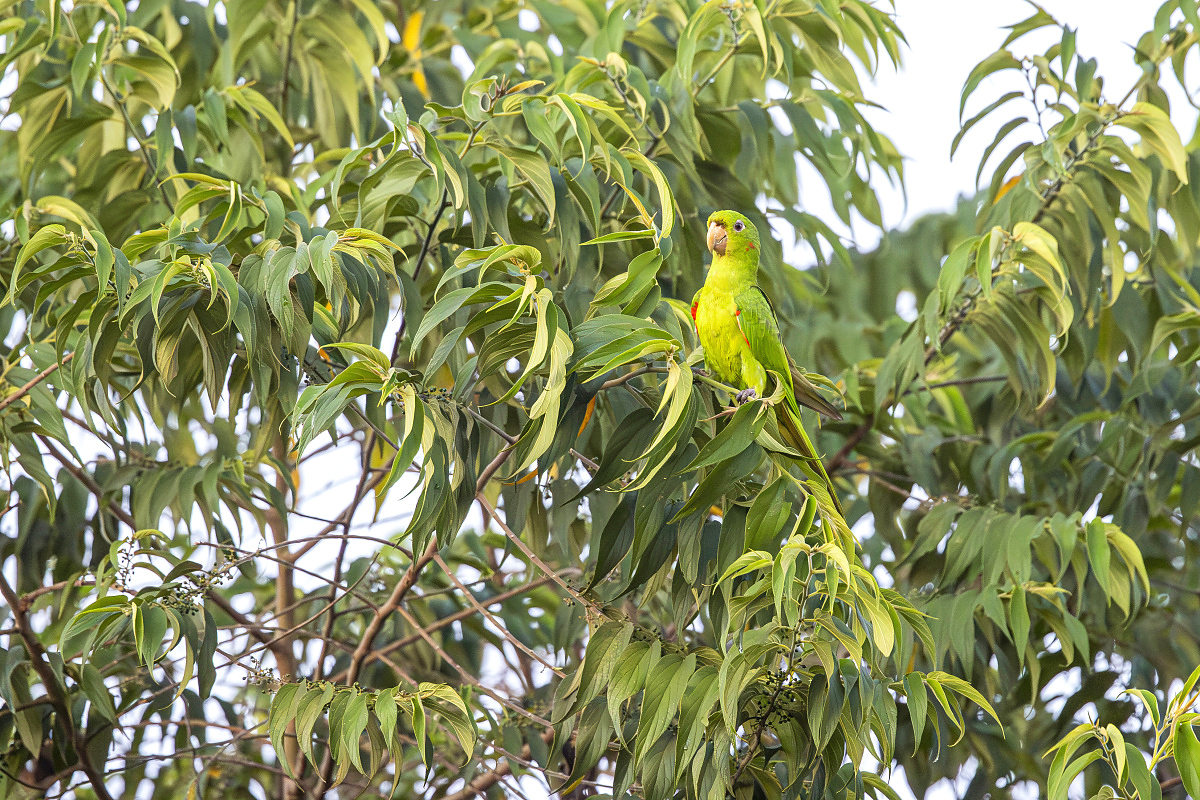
[
  {"x": 745, "y": 396},
  {"x": 699, "y": 372}
]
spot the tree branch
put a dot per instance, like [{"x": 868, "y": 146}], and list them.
[
  {"x": 358, "y": 657},
  {"x": 475, "y": 604},
  {"x": 481, "y": 783},
  {"x": 87, "y": 480},
  {"x": 403, "y": 587},
  {"x": 533, "y": 557},
  {"x": 852, "y": 441},
  {"x": 446, "y": 621},
  {"x": 34, "y": 381},
  {"x": 37, "y": 659}
]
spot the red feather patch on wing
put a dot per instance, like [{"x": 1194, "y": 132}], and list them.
[
  {"x": 737, "y": 314},
  {"x": 694, "y": 323}
]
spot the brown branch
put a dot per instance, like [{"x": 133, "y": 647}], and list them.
[
  {"x": 533, "y": 557},
  {"x": 358, "y": 657},
  {"x": 252, "y": 628},
  {"x": 491, "y": 468},
  {"x": 347, "y": 513},
  {"x": 27, "y": 599},
  {"x": 327, "y": 632},
  {"x": 874, "y": 475},
  {"x": 852, "y": 441},
  {"x": 34, "y": 381},
  {"x": 467, "y": 676},
  {"x": 280, "y": 634},
  {"x": 446, "y": 621},
  {"x": 62, "y": 709},
  {"x": 475, "y": 604},
  {"x": 88, "y": 481},
  {"x": 628, "y": 376},
  {"x": 481, "y": 783},
  {"x": 493, "y": 427},
  {"x": 403, "y": 586}
]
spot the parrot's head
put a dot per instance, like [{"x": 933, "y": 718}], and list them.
[{"x": 730, "y": 232}]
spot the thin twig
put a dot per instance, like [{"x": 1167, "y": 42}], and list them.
[
  {"x": 479, "y": 785},
  {"x": 403, "y": 586},
  {"x": 475, "y": 604},
  {"x": 467, "y": 676},
  {"x": 533, "y": 557},
  {"x": 628, "y": 376},
  {"x": 358, "y": 658},
  {"x": 446, "y": 621},
  {"x": 34, "y": 381},
  {"x": 87, "y": 480}
]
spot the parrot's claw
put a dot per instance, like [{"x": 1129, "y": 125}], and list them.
[{"x": 745, "y": 396}]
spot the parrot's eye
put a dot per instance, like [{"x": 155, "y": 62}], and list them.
[{"x": 738, "y": 226}]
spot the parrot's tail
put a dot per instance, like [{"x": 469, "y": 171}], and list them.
[{"x": 792, "y": 431}]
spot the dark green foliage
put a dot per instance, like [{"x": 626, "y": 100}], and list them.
[{"x": 249, "y": 238}]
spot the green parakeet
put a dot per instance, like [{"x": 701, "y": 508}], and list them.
[{"x": 740, "y": 335}]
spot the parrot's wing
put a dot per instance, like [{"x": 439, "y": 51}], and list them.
[
  {"x": 756, "y": 320},
  {"x": 755, "y": 313}
]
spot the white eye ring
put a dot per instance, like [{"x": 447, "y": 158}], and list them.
[{"x": 738, "y": 226}]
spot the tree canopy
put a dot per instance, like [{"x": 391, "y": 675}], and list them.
[{"x": 355, "y": 441}]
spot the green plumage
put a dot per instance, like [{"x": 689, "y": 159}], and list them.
[{"x": 740, "y": 334}]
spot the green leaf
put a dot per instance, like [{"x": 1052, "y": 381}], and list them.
[
  {"x": 745, "y": 563},
  {"x": 1018, "y": 615},
  {"x": 419, "y": 733},
  {"x": 736, "y": 436},
  {"x": 309, "y": 709},
  {"x": 664, "y": 689},
  {"x": 975, "y": 119},
  {"x": 282, "y": 713},
  {"x": 1159, "y": 135},
  {"x": 1061, "y": 781},
  {"x": 1187, "y": 757},
  {"x": 45, "y": 238},
  {"x": 97, "y": 692},
  {"x": 353, "y": 726},
  {"x": 620, "y": 236},
  {"x": 1099, "y": 553},
  {"x": 149, "y": 627},
  {"x": 918, "y": 703},
  {"x": 1146, "y": 785},
  {"x": 1000, "y": 60},
  {"x": 604, "y": 649},
  {"x": 536, "y": 171},
  {"x": 968, "y": 691}
]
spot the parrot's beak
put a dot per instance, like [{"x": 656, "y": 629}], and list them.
[{"x": 716, "y": 238}]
